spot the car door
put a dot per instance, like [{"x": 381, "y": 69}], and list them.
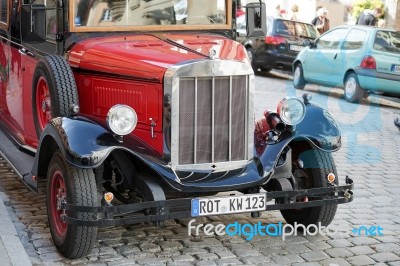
[
  {"x": 11, "y": 93},
  {"x": 352, "y": 51},
  {"x": 4, "y": 50},
  {"x": 40, "y": 41},
  {"x": 318, "y": 64}
]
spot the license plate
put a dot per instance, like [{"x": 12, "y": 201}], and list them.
[
  {"x": 395, "y": 68},
  {"x": 296, "y": 48},
  {"x": 226, "y": 205}
]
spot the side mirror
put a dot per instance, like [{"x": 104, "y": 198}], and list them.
[
  {"x": 256, "y": 20},
  {"x": 312, "y": 44}
]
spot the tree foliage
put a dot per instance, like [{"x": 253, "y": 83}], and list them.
[{"x": 360, "y": 5}]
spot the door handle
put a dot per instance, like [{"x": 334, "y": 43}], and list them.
[
  {"x": 335, "y": 56},
  {"x": 24, "y": 51}
]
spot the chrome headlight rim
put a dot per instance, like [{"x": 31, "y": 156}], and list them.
[
  {"x": 283, "y": 107},
  {"x": 118, "y": 112}
]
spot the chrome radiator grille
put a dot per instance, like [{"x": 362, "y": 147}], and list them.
[{"x": 213, "y": 119}]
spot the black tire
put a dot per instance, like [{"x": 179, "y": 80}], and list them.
[
  {"x": 317, "y": 166},
  {"x": 265, "y": 70},
  {"x": 250, "y": 54},
  {"x": 298, "y": 77},
  {"x": 76, "y": 186},
  {"x": 353, "y": 93},
  {"x": 54, "y": 72}
]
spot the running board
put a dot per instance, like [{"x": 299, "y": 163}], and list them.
[{"x": 19, "y": 160}]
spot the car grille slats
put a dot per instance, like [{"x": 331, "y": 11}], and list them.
[{"x": 212, "y": 119}]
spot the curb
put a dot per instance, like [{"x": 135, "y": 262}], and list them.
[{"x": 12, "y": 252}]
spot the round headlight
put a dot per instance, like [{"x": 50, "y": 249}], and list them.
[
  {"x": 291, "y": 110},
  {"x": 121, "y": 119}
]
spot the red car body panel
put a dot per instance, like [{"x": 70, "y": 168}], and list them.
[
  {"x": 135, "y": 56},
  {"x": 141, "y": 62},
  {"x": 16, "y": 84}
]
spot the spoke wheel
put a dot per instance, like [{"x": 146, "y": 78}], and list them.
[
  {"x": 43, "y": 103},
  {"x": 317, "y": 165},
  {"x": 57, "y": 195},
  {"x": 77, "y": 187},
  {"x": 54, "y": 91}
]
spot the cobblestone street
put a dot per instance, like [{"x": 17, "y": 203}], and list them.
[{"x": 370, "y": 156}]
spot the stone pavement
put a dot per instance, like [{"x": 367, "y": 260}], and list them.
[
  {"x": 370, "y": 155},
  {"x": 12, "y": 251}
]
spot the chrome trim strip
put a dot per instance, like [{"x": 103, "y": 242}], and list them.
[
  {"x": 247, "y": 108},
  {"x": 230, "y": 119},
  {"x": 207, "y": 68},
  {"x": 251, "y": 123},
  {"x": 195, "y": 121},
  {"x": 214, "y": 167},
  {"x": 213, "y": 120}
]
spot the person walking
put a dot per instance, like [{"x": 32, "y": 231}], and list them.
[
  {"x": 369, "y": 17},
  {"x": 321, "y": 22},
  {"x": 293, "y": 12},
  {"x": 239, "y": 9},
  {"x": 278, "y": 11}
]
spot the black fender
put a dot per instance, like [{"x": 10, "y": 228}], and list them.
[
  {"x": 317, "y": 127},
  {"x": 87, "y": 144},
  {"x": 320, "y": 128},
  {"x": 83, "y": 143}
]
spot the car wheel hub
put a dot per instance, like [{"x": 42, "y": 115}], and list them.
[
  {"x": 350, "y": 87},
  {"x": 60, "y": 198},
  {"x": 44, "y": 106},
  {"x": 250, "y": 55},
  {"x": 296, "y": 75},
  {"x": 43, "y": 103},
  {"x": 57, "y": 197}
]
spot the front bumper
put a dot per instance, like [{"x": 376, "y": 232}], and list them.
[{"x": 181, "y": 208}]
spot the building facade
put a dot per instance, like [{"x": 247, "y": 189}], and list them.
[{"x": 392, "y": 14}]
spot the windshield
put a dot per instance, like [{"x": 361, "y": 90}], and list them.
[
  {"x": 295, "y": 28},
  {"x": 116, "y": 14}
]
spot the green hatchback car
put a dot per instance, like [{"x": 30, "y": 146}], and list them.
[{"x": 358, "y": 58}]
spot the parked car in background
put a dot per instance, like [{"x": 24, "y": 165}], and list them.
[
  {"x": 357, "y": 58},
  {"x": 284, "y": 40}
]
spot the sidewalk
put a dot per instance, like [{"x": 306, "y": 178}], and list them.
[{"x": 12, "y": 252}]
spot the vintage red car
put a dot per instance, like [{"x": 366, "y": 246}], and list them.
[{"x": 142, "y": 111}]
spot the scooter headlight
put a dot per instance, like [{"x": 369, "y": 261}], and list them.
[
  {"x": 291, "y": 110},
  {"x": 121, "y": 119}
]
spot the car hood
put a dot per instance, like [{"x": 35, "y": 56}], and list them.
[{"x": 149, "y": 56}]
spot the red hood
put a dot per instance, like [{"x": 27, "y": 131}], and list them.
[{"x": 147, "y": 56}]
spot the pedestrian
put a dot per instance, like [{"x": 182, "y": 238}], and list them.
[
  {"x": 321, "y": 22},
  {"x": 369, "y": 17},
  {"x": 239, "y": 9},
  {"x": 293, "y": 12},
  {"x": 278, "y": 11}
]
